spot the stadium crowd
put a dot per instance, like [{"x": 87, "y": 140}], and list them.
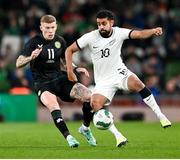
[{"x": 156, "y": 61}]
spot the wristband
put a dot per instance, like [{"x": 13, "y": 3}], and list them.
[{"x": 75, "y": 69}]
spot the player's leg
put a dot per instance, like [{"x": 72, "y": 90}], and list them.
[
  {"x": 135, "y": 84},
  {"x": 82, "y": 93},
  {"x": 98, "y": 101},
  {"x": 50, "y": 101},
  {"x": 87, "y": 114},
  {"x": 78, "y": 91},
  {"x": 85, "y": 127},
  {"x": 120, "y": 139}
]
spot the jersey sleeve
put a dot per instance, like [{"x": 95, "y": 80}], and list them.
[
  {"x": 124, "y": 33},
  {"x": 83, "y": 41}
]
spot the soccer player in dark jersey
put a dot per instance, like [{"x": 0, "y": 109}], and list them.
[{"x": 45, "y": 52}]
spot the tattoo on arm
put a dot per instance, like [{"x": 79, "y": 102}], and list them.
[
  {"x": 22, "y": 61},
  {"x": 80, "y": 92}
]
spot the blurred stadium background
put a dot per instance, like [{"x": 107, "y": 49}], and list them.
[{"x": 156, "y": 60}]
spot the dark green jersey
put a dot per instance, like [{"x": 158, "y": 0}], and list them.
[{"x": 47, "y": 65}]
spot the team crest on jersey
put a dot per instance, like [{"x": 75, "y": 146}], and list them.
[{"x": 57, "y": 44}]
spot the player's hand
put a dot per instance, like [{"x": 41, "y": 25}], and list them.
[
  {"x": 72, "y": 77},
  {"x": 36, "y": 53},
  {"x": 82, "y": 70},
  {"x": 158, "y": 31}
]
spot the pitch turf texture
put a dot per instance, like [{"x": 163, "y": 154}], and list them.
[{"x": 42, "y": 140}]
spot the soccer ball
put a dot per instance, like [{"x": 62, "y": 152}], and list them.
[{"x": 103, "y": 119}]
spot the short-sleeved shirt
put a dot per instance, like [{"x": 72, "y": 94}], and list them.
[
  {"x": 47, "y": 65},
  {"x": 46, "y": 71},
  {"x": 105, "y": 52}
]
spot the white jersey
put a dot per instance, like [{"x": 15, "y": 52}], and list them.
[{"x": 105, "y": 52}]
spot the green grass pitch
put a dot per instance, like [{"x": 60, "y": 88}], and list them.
[{"x": 42, "y": 140}]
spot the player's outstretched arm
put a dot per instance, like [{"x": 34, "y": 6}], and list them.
[
  {"x": 68, "y": 55},
  {"x": 146, "y": 33},
  {"x": 23, "y": 60}
]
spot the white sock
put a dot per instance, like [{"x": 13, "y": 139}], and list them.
[
  {"x": 68, "y": 137},
  {"x": 84, "y": 127},
  {"x": 151, "y": 102},
  {"x": 114, "y": 131}
]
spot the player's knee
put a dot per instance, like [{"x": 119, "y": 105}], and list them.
[
  {"x": 87, "y": 97},
  {"x": 49, "y": 100},
  {"x": 51, "y": 106},
  {"x": 96, "y": 104}
]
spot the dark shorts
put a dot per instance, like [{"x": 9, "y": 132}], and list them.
[{"x": 60, "y": 86}]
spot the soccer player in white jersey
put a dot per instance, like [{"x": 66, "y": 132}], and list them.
[{"x": 110, "y": 73}]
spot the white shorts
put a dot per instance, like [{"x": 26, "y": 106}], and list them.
[{"x": 109, "y": 86}]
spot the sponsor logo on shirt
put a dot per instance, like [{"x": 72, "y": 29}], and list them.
[
  {"x": 50, "y": 61},
  {"x": 40, "y": 46}
]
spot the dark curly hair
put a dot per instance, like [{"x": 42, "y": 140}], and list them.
[{"x": 105, "y": 14}]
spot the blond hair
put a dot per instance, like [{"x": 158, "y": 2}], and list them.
[{"x": 48, "y": 19}]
